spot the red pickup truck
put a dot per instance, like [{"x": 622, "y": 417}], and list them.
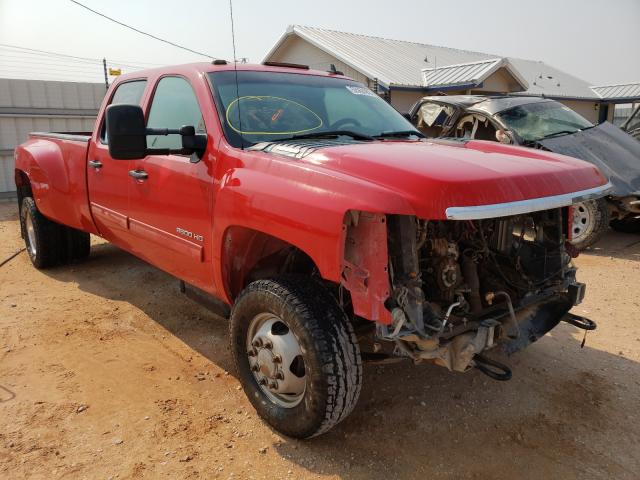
[{"x": 335, "y": 231}]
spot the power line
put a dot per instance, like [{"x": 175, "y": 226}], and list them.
[
  {"x": 54, "y": 65},
  {"x": 33, "y": 51},
  {"x": 140, "y": 31},
  {"x": 48, "y": 61},
  {"x": 45, "y": 51},
  {"x": 44, "y": 58},
  {"x": 53, "y": 70}
]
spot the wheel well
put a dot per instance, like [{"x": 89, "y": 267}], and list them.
[
  {"x": 23, "y": 186},
  {"x": 249, "y": 255},
  {"x": 23, "y": 189}
]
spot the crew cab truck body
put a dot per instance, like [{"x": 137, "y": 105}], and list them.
[{"x": 309, "y": 205}]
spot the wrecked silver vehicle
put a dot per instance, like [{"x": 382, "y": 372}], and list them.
[
  {"x": 632, "y": 124},
  {"x": 548, "y": 125}
]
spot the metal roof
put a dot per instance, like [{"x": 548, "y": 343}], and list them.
[
  {"x": 548, "y": 81},
  {"x": 392, "y": 62},
  {"x": 471, "y": 73},
  {"x": 622, "y": 91},
  {"x": 401, "y": 63}
]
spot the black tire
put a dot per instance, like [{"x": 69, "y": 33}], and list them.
[
  {"x": 626, "y": 225},
  {"x": 77, "y": 244},
  {"x": 44, "y": 245},
  {"x": 594, "y": 216},
  {"x": 332, "y": 363}
]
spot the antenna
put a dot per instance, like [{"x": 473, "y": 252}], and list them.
[{"x": 235, "y": 69}]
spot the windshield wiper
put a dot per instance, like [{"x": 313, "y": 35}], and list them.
[
  {"x": 328, "y": 133},
  {"x": 560, "y": 133},
  {"x": 399, "y": 134}
]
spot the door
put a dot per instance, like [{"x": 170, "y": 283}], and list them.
[
  {"x": 170, "y": 197},
  {"x": 108, "y": 179}
]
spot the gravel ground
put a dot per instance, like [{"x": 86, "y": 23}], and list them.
[{"x": 106, "y": 371}]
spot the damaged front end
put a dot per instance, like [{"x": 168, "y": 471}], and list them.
[{"x": 448, "y": 290}]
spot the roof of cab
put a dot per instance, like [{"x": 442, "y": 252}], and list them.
[{"x": 207, "y": 67}]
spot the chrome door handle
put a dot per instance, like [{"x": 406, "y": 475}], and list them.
[
  {"x": 97, "y": 164},
  {"x": 138, "y": 174}
]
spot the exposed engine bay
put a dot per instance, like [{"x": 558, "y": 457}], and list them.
[{"x": 462, "y": 287}]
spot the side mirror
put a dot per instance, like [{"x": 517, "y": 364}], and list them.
[
  {"x": 193, "y": 143},
  {"x": 127, "y": 136},
  {"x": 126, "y": 132}
]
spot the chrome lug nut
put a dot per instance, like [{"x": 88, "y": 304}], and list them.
[
  {"x": 262, "y": 381},
  {"x": 277, "y": 359},
  {"x": 257, "y": 343},
  {"x": 273, "y": 384},
  {"x": 268, "y": 345},
  {"x": 252, "y": 353},
  {"x": 255, "y": 368},
  {"x": 280, "y": 376}
]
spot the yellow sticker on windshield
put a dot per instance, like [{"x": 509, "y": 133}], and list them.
[{"x": 268, "y": 115}]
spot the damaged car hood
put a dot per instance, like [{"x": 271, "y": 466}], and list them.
[
  {"x": 613, "y": 151},
  {"x": 436, "y": 177}
]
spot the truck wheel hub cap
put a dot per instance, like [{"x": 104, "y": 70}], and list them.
[
  {"x": 276, "y": 360},
  {"x": 31, "y": 234},
  {"x": 581, "y": 221}
]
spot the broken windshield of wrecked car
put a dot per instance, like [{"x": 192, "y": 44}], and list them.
[
  {"x": 535, "y": 121},
  {"x": 269, "y": 106}
]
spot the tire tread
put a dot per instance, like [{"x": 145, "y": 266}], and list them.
[{"x": 333, "y": 337}]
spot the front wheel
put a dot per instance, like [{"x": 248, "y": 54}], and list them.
[
  {"x": 590, "y": 221},
  {"x": 296, "y": 355}
]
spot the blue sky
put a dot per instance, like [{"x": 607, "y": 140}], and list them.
[{"x": 595, "y": 40}]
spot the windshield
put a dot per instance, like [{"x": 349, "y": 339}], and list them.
[
  {"x": 270, "y": 106},
  {"x": 536, "y": 121}
]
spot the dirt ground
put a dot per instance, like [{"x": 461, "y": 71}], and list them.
[{"x": 107, "y": 371}]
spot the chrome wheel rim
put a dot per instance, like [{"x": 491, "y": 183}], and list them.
[
  {"x": 31, "y": 235},
  {"x": 582, "y": 219},
  {"x": 276, "y": 360}
]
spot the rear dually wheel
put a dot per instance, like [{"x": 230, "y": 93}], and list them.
[{"x": 48, "y": 243}]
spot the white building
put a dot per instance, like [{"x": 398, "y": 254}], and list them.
[
  {"x": 38, "y": 105},
  {"x": 406, "y": 71}
]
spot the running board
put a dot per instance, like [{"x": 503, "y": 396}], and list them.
[{"x": 205, "y": 299}]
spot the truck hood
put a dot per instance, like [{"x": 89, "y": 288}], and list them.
[
  {"x": 439, "y": 178},
  {"x": 614, "y": 152}
]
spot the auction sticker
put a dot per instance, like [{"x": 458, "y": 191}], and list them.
[{"x": 360, "y": 91}]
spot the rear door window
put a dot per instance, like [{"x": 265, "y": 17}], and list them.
[{"x": 129, "y": 93}]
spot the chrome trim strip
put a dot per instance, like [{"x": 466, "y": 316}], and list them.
[{"x": 525, "y": 206}]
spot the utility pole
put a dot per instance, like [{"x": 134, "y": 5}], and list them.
[{"x": 106, "y": 78}]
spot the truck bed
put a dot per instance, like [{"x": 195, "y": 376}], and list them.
[{"x": 65, "y": 200}]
